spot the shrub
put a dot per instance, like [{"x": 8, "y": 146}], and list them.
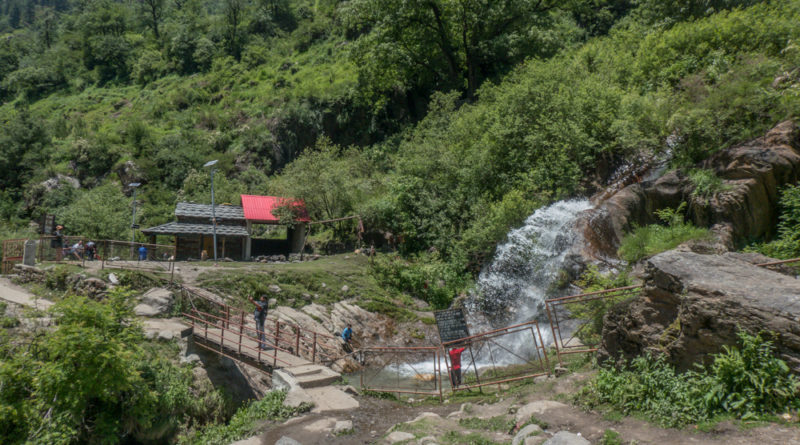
[
  {"x": 593, "y": 311},
  {"x": 650, "y": 240},
  {"x": 706, "y": 183},
  {"x": 788, "y": 243},
  {"x": 744, "y": 382}
]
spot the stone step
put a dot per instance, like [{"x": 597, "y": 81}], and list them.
[{"x": 313, "y": 376}]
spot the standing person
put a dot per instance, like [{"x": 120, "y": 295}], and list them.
[
  {"x": 455, "y": 368},
  {"x": 347, "y": 335},
  {"x": 142, "y": 253},
  {"x": 57, "y": 242},
  {"x": 260, "y": 314}
]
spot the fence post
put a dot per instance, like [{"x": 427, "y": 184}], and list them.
[
  {"x": 277, "y": 334},
  {"x": 314, "y": 349},
  {"x": 241, "y": 332},
  {"x": 297, "y": 342},
  {"x": 227, "y": 316},
  {"x": 221, "y": 337}
]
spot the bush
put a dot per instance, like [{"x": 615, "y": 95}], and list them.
[
  {"x": 706, "y": 183},
  {"x": 788, "y": 243},
  {"x": 744, "y": 382},
  {"x": 424, "y": 276},
  {"x": 593, "y": 311},
  {"x": 650, "y": 240}
]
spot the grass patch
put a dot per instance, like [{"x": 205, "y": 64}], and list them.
[
  {"x": 611, "y": 437},
  {"x": 497, "y": 423},
  {"x": 457, "y": 438},
  {"x": 381, "y": 395},
  {"x": 649, "y": 240},
  {"x": 707, "y": 184}
]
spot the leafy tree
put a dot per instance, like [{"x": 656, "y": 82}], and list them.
[
  {"x": 100, "y": 213},
  {"x": 23, "y": 140},
  {"x": 154, "y": 14},
  {"x": 448, "y": 43},
  {"x": 234, "y": 14}
]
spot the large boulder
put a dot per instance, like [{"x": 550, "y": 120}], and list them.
[
  {"x": 694, "y": 304},
  {"x": 155, "y": 302},
  {"x": 752, "y": 172}
]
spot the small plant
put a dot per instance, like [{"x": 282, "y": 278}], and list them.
[
  {"x": 706, "y": 183},
  {"x": 497, "y": 423},
  {"x": 611, "y": 437},
  {"x": 380, "y": 395}
]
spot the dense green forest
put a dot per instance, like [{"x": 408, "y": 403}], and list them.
[{"x": 441, "y": 122}]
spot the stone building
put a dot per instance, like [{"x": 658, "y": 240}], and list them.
[{"x": 193, "y": 230}]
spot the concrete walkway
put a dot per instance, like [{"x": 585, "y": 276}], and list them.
[{"x": 15, "y": 294}]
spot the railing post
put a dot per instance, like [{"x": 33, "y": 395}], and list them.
[
  {"x": 227, "y": 316},
  {"x": 221, "y": 337},
  {"x": 314, "y": 349},
  {"x": 297, "y": 342},
  {"x": 277, "y": 334},
  {"x": 241, "y": 332}
]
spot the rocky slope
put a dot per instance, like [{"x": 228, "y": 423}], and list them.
[
  {"x": 752, "y": 173},
  {"x": 693, "y": 304}
]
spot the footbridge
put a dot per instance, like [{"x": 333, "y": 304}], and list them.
[{"x": 231, "y": 332}]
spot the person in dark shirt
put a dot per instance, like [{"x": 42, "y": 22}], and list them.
[
  {"x": 455, "y": 366},
  {"x": 260, "y": 315}
]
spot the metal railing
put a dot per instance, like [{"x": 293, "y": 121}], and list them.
[
  {"x": 583, "y": 312},
  {"x": 399, "y": 370},
  {"x": 316, "y": 347},
  {"x": 485, "y": 357},
  {"x": 794, "y": 263},
  {"x": 129, "y": 255},
  {"x": 13, "y": 250},
  {"x": 61, "y": 249}
]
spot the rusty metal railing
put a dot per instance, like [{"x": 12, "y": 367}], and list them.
[
  {"x": 794, "y": 262},
  {"x": 316, "y": 347},
  {"x": 499, "y": 356},
  {"x": 13, "y": 250},
  {"x": 584, "y": 311},
  {"x": 407, "y": 377}
]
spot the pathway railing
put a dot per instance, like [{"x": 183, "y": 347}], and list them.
[
  {"x": 130, "y": 255},
  {"x": 486, "y": 357},
  {"x": 576, "y": 320},
  {"x": 13, "y": 250},
  {"x": 316, "y": 347},
  {"x": 794, "y": 263}
]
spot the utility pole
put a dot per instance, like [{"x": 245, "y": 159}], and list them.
[
  {"x": 134, "y": 186},
  {"x": 213, "y": 211}
]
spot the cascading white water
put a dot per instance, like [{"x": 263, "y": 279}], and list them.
[{"x": 512, "y": 289}]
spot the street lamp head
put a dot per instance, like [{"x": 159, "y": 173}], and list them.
[
  {"x": 211, "y": 163},
  {"x": 134, "y": 184}
]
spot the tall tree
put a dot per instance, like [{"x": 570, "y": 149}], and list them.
[
  {"x": 234, "y": 31},
  {"x": 451, "y": 42},
  {"x": 154, "y": 11}
]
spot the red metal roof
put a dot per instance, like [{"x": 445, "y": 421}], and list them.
[{"x": 259, "y": 208}]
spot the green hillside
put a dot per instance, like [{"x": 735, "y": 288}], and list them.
[{"x": 443, "y": 123}]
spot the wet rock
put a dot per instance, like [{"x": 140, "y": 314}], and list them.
[
  {"x": 693, "y": 305},
  {"x": 528, "y": 430},
  {"x": 566, "y": 438}
]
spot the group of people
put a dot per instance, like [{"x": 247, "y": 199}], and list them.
[{"x": 79, "y": 250}]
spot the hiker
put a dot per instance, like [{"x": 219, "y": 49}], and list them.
[
  {"x": 260, "y": 314},
  {"x": 347, "y": 335},
  {"x": 91, "y": 250},
  {"x": 455, "y": 368},
  {"x": 57, "y": 242},
  {"x": 142, "y": 253}
]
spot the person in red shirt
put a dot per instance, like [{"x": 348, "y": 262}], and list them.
[{"x": 455, "y": 368}]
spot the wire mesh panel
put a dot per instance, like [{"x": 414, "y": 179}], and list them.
[
  {"x": 576, "y": 320},
  {"x": 492, "y": 358},
  {"x": 128, "y": 255},
  {"x": 402, "y": 370},
  {"x": 13, "y": 250},
  {"x": 71, "y": 249}
]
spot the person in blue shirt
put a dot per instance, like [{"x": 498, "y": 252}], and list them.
[
  {"x": 142, "y": 253},
  {"x": 260, "y": 314},
  {"x": 347, "y": 335}
]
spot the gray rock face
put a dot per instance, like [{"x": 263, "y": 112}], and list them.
[
  {"x": 343, "y": 427},
  {"x": 694, "y": 304},
  {"x": 566, "y": 438},
  {"x": 286, "y": 440},
  {"x": 399, "y": 436},
  {"x": 753, "y": 172},
  {"x": 156, "y": 301}
]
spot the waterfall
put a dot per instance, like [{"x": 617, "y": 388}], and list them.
[{"x": 525, "y": 269}]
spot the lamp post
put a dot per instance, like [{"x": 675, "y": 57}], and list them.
[
  {"x": 213, "y": 212},
  {"x": 134, "y": 186}
]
